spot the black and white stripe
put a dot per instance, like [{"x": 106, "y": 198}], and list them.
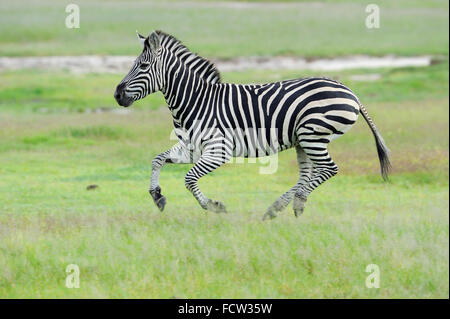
[{"x": 216, "y": 121}]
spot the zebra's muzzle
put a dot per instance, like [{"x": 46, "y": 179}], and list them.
[{"x": 121, "y": 97}]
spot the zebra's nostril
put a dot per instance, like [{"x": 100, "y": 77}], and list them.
[
  {"x": 119, "y": 91},
  {"x": 121, "y": 96}
]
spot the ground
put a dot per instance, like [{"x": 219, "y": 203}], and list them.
[{"x": 60, "y": 133}]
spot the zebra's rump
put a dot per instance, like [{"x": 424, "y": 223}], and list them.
[{"x": 265, "y": 119}]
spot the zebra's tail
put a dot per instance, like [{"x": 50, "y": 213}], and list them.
[{"x": 383, "y": 151}]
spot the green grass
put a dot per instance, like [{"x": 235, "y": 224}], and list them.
[
  {"x": 125, "y": 247},
  {"x": 306, "y": 28},
  {"x": 54, "y": 143}
]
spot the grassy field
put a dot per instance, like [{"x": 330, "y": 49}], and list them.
[
  {"x": 59, "y": 134},
  {"x": 227, "y": 29}
]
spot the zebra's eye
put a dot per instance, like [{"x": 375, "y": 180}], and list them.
[{"x": 144, "y": 66}]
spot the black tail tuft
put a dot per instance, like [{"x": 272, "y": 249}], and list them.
[
  {"x": 383, "y": 156},
  {"x": 383, "y": 151}
]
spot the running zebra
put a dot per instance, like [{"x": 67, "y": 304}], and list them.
[{"x": 216, "y": 121}]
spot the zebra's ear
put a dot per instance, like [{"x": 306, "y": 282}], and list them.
[
  {"x": 141, "y": 38},
  {"x": 153, "y": 41}
]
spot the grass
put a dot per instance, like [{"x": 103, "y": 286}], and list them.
[
  {"x": 59, "y": 134},
  {"x": 227, "y": 30},
  {"x": 126, "y": 248}
]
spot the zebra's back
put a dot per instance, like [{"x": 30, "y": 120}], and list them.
[{"x": 267, "y": 118}]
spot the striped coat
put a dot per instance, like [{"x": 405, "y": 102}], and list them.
[{"x": 216, "y": 121}]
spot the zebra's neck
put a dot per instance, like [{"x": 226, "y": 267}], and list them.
[
  {"x": 184, "y": 90},
  {"x": 186, "y": 79}
]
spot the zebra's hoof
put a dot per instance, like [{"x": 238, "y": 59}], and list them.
[
  {"x": 216, "y": 206},
  {"x": 159, "y": 199},
  {"x": 299, "y": 205},
  {"x": 269, "y": 215},
  {"x": 161, "y": 202},
  {"x": 298, "y": 212}
]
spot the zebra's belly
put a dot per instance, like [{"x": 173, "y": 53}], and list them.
[
  {"x": 259, "y": 147},
  {"x": 258, "y": 154}
]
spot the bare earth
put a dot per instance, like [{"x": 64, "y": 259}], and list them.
[{"x": 121, "y": 64}]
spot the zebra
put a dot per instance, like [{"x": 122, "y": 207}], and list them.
[{"x": 216, "y": 121}]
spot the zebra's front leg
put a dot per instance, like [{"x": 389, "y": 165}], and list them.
[
  {"x": 208, "y": 162},
  {"x": 178, "y": 155}
]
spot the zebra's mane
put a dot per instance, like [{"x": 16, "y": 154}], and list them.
[{"x": 202, "y": 66}]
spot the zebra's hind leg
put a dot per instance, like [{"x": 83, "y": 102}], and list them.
[
  {"x": 305, "y": 167},
  {"x": 323, "y": 169}
]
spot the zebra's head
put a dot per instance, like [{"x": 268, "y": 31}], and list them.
[{"x": 144, "y": 76}]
